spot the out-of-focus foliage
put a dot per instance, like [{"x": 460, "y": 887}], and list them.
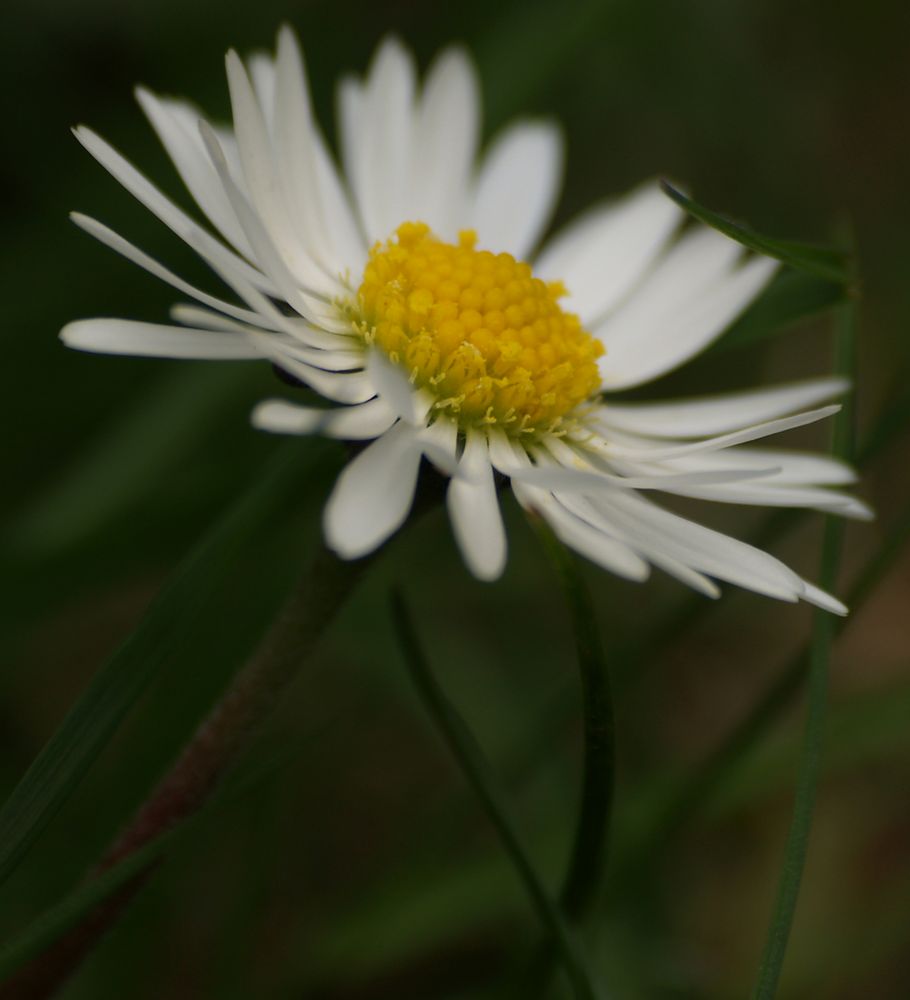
[{"x": 352, "y": 862}]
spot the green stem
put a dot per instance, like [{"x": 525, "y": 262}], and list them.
[
  {"x": 209, "y": 754},
  {"x": 472, "y": 763},
  {"x": 584, "y": 879},
  {"x": 810, "y": 762}
]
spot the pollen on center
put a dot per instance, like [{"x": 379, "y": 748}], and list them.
[{"x": 478, "y": 329}]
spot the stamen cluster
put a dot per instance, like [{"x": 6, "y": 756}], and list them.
[{"x": 478, "y": 329}]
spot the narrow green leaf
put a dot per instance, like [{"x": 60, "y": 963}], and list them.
[
  {"x": 476, "y": 770},
  {"x": 583, "y": 883},
  {"x": 823, "y": 262},
  {"x": 810, "y": 762},
  {"x": 791, "y": 297},
  {"x": 96, "y": 716}
]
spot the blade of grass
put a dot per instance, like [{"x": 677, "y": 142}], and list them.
[
  {"x": 472, "y": 763},
  {"x": 823, "y": 262},
  {"x": 796, "y": 847},
  {"x": 89, "y": 726}
]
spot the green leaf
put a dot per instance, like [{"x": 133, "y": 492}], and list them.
[
  {"x": 476, "y": 770},
  {"x": 823, "y": 262},
  {"x": 87, "y": 729},
  {"x": 819, "y": 655},
  {"x": 792, "y": 296}
]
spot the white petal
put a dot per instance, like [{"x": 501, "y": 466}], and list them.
[
  {"x": 152, "y": 340},
  {"x": 268, "y": 254},
  {"x": 694, "y": 329},
  {"x": 701, "y": 548},
  {"x": 693, "y": 265},
  {"x": 318, "y": 204},
  {"x": 206, "y": 319},
  {"x": 823, "y": 600},
  {"x": 559, "y": 467},
  {"x": 439, "y": 442},
  {"x": 793, "y": 468},
  {"x": 517, "y": 188},
  {"x": 328, "y": 360},
  {"x": 689, "y": 418},
  {"x": 132, "y": 253},
  {"x": 264, "y": 78},
  {"x": 340, "y": 387},
  {"x": 175, "y": 219},
  {"x": 448, "y": 128},
  {"x": 295, "y": 327},
  {"x": 353, "y": 423},
  {"x": 349, "y": 100},
  {"x": 373, "y": 494},
  {"x": 394, "y": 386},
  {"x": 474, "y": 511},
  {"x": 347, "y": 237},
  {"x": 587, "y": 483},
  {"x": 506, "y": 456},
  {"x": 651, "y": 451},
  {"x": 176, "y": 125},
  {"x": 760, "y": 495},
  {"x": 273, "y": 211},
  {"x": 603, "y": 254},
  {"x": 694, "y": 291},
  {"x": 254, "y": 147},
  {"x": 587, "y": 540},
  {"x": 383, "y": 175},
  {"x": 585, "y": 510}
]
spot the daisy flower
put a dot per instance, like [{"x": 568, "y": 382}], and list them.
[{"x": 406, "y": 288}]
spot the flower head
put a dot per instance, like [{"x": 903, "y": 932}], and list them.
[{"x": 406, "y": 290}]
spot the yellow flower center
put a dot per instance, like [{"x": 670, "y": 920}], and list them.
[{"x": 478, "y": 329}]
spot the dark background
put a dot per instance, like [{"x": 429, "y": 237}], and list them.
[{"x": 358, "y": 865}]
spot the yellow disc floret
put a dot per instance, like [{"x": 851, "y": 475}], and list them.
[{"x": 478, "y": 329}]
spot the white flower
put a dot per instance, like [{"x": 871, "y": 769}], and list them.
[{"x": 368, "y": 285}]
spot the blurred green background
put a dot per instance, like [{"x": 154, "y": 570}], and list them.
[{"x": 354, "y": 862}]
